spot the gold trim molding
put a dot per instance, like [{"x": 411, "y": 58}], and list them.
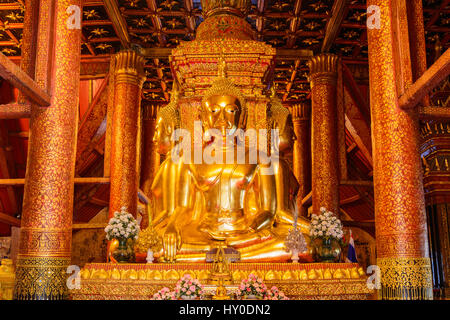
[
  {"x": 323, "y": 68},
  {"x": 129, "y": 67}
]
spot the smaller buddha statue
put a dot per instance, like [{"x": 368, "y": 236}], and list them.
[
  {"x": 220, "y": 271},
  {"x": 221, "y": 292}
]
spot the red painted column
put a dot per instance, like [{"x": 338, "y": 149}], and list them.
[
  {"x": 128, "y": 79},
  {"x": 46, "y": 230},
  {"x": 324, "y": 159},
  {"x": 401, "y": 228}
]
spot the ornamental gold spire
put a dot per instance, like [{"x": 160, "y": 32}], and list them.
[
  {"x": 236, "y": 7},
  {"x": 224, "y": 86}
]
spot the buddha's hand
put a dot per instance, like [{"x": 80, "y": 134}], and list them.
[
  {"x": 171, "y": 243},
  {"x": 262, "y": 221}
]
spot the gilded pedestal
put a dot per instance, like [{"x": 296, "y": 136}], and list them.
[{"x": 315, "y": 281}]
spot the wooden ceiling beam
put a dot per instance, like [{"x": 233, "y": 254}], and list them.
[
  {"x": 437, "y": 13},
  {"x": 261, "y": 6},
  {"x": 431, "y": 78},
  {"x": 22, "y": 81},
  {"x": 350, "y": 200},
  {"x": 358, "y": 183},
  {"x": 76, "y": 180},
  {"x": 339, "y": 11},
  {"x": 88, "y": 45},
  {"x": 190, "y": 18},
  {"x": 156, "y": 21},
  {"x": 99, "y": 202},
  {"x": 119, "y": 23},
  {"x": 6, "y": 218},
  {"x": 434, "y": 113},
  {"x": 15, "y": 111},
  {"x": 88, "y": 23},
  {"x": 295, "y": 22}
]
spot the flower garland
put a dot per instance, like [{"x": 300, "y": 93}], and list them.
[
  {"x": 122, "y": 226},
  {"x": 325, "y": 225}
]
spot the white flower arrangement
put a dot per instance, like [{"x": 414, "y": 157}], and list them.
[
  {"x": 122, "y": 226},
  {"x": 325, "y": 225},
  {"x": 188, "y": 287}
]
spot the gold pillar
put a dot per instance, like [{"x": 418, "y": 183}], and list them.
[
  {"x": 128, "y": 80},
  {"x": 46, "y": 229},
  {"x": 401, "y": 228},
  {"x": 302, "y": 152},
  {"x": 324, "y": 152}
]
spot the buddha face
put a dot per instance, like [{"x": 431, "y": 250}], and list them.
[
  {"x": 162, "y": 137},
  {"x": 223, "y": 112}
]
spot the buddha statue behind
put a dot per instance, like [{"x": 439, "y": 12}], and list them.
[{"x": 230, "y": 194}]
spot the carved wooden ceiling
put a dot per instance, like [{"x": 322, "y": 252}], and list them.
[{"x": 319, "y": 25}]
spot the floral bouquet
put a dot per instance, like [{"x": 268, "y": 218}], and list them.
[
  {"x": 275, "y": 294},
  {"x": 164, "y": 294},
  {"x": 122, "y": 226},
  {"x": 252, "y": 286},
  {"x": 188, "y": 288},
  {"x": 327, "y": 229},
  {"x": 326, "y": 225}
]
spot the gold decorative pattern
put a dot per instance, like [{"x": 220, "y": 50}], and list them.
[
  {"x": 44, "y": 249},
  {"x": 406, "y": 278},
  {"x": 129, "y": 68},
  {"x": 128, "y": 80},
  {"x": 325, "y": 174},
  {"x": 401, "y": 227},
  {"x": 41, "y": 278}
]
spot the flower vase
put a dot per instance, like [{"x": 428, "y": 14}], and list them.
[
  {"x": 294, "y": 256},
  {"x": 123, "y": 254},
  {"x": 327, "y": 251}
]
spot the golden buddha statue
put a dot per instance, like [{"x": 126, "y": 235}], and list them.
[
  {"x": 220, "y": 272},
  {"x": 199, "y": 204}
]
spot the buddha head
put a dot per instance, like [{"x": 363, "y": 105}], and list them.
[
  {"x": 287, "y": 136},
  {"x": 223, "y": 105},
  {"x": 167, "y": 121},
  {"x": 281, "y": 119}
]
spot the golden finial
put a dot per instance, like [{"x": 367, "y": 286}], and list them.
[{"x": 222, "y": 67}]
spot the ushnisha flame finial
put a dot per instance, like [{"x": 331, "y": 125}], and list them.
[{"x": 236, "y": 7}]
